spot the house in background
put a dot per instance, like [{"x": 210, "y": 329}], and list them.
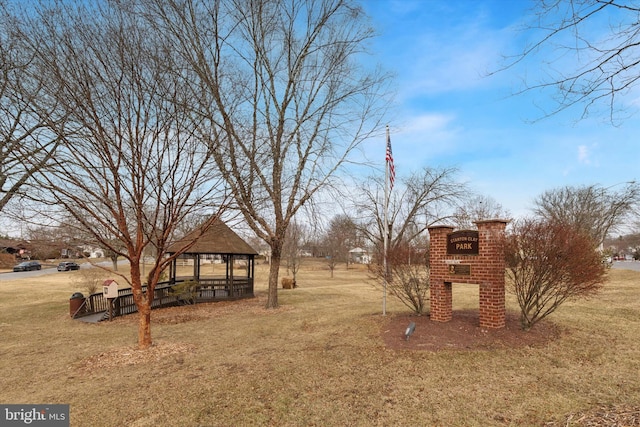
[
  {"x": 15, "y": 247},
  {"x": 91, "y": 251},
  {"x": 359, "y": 256}
]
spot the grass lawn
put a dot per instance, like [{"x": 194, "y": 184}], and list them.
[{"x": 318, "y": 360}]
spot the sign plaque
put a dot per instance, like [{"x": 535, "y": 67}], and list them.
[
  {"x": 460, "y": 269},
  {"x": 463, "y": 242}
]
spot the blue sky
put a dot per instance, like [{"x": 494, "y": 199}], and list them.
[{"x": 449, "y": 112}]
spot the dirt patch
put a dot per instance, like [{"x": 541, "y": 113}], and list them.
[
  {"x": 463, "y": 333},
  {"x": 127, "y": 356}
]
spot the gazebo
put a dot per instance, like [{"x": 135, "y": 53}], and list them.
[{"x": 217, "y": 261}]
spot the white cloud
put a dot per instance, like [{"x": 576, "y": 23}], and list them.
[
  {"x": 440, "y": 65},
  {"x": 437, "y": 131},
  {"x": 584, "y": 155},
  {"x": 429, "y": 123},
  {"x": 418, "y": 138},
  {"x": 433, "y": 56}
]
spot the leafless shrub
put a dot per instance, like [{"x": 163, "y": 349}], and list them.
[
  {"x": 549, "y": 263},
  {"x": 407, "y": 276},
  {"x": 89, "y": 279}
]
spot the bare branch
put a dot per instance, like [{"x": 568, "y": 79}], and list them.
[
  {"x": 418, "y": 201},
  {"x": 591, "y": 54},
  {"x": 25, "y": 144}
]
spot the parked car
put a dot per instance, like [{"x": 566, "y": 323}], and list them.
[
  {"x": 27, "y": 266},
  {"x": 67, "y": 265}
]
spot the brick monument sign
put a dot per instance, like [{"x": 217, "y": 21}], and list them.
[{"x": 468, "y": 256}]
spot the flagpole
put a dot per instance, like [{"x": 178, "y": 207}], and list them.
[{"x": 386, "y": 225}]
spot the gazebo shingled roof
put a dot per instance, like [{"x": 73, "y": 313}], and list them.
[{"x": 218, "y": 239}]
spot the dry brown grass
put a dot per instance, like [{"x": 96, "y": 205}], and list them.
[{"x": 317, "y": 360}]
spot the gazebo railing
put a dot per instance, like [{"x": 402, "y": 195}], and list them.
[{"x": 206, "y": 290}]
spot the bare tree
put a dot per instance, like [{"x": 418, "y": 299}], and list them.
[
  {"x": 89, "y": 279},
  {"x": 50, "y": 242},
  {"x": 549, "y": 263},
  {"x": 476, "y": 209},
  {"x": 338, "y": 239},
  {"x": 590, "y": 50},
  {"x": 290, "y": 99},
  {"x": 591, "y": 209},
  {"x": 407, "y": 276},
  {"x": 131, "y": 168},
  {"x": 331, "y": 251},
  {"x": 24, "y": 111},
  {"x": 292, "y": 247},
  {"x": 417, "y": 202},
  {"x": 341, "y": 236}
]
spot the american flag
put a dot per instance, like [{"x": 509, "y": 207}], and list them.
[{"x": 389, "y": 158}]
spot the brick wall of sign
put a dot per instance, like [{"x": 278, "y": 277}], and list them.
[{"x": 485, "y": 269}]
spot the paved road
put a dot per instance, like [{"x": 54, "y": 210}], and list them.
[
  {"x": 27, "y": 274},
  {"x": 46, "y": 269},
  {"x": 626, "y": 265}
]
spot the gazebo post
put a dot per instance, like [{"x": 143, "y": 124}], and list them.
[{"x": 230, "y": 278}]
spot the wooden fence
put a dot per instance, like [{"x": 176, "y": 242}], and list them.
[{"x": 166, "y": 296}]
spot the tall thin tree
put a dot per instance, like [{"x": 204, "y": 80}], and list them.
[{"x": 291, "y": 96}]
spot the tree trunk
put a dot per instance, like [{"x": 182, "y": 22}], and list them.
[
  {"x": 143, "y": 302},
  {"x": 274, "y": 270},
  {"x": 144, "y": 328}
]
